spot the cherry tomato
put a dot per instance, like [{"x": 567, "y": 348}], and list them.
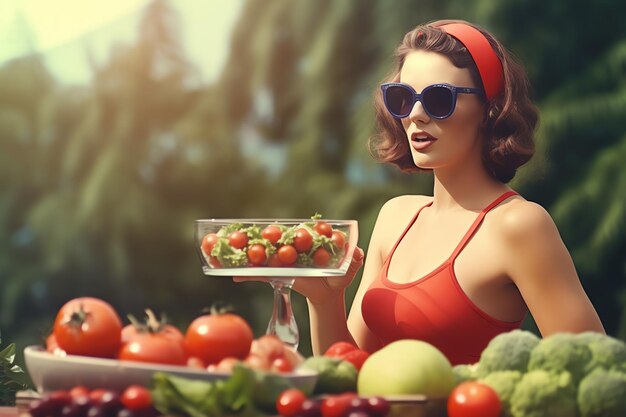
[
  {"x": 255, "y": 361},
  {"x": 302, "y": 240},
  {"x": 339, "y": 348},
  {"x": 238, "y": 239},
  {"x": 52, "y": 345},
  {"x": 473, "y": 399},
  {"x": 338, "y": 239},
  {"x": 272, "y": 233},
  {"x": 97, "y": 394},
  {"x": 273, "y": 261},
  {"x": 337, "y": 405},
  {"x": 225, "y": 365},
  {"x": 195, "y": 362},
  {"x": 289, "y": 402},
  {"x": 213, "y": 337},
  {"x": 208, "y": 242},
  {"x": 356, "y": 358},
  {"x": 88, "y": 326},
  {"x": 281, "y": 365},
  {"x": 321, "y": 257},
  {"x": 79, "y": 391},
  {"x": 287, "y": 255},
  {"x": 257, "y": 255},
  {"x": 378, "y": 406},
  {"x": 136, "y": 397},
  {"x": 323, "y": 228},
  {"x": 269, "y": 348}
]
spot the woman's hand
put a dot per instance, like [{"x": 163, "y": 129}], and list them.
[{"x": 320, "y": 289}]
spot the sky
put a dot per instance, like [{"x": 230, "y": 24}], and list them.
[{"x": 64, "y": 30}]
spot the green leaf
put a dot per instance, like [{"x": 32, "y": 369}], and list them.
[{"x": 8, "y": 354}]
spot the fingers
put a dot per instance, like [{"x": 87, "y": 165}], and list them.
[{"x": 250, "y": 279}]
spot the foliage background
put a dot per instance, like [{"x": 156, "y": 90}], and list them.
[{"x": 100, "y": 184}]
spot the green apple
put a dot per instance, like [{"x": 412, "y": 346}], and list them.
[{"x": 406, "y": 367}]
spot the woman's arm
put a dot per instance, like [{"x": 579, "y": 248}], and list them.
[
  {"x": 328, "y": 319},
  {"x": 539, "y": 264}
]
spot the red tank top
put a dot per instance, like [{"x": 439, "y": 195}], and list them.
[{"x": 433, "y": 308}]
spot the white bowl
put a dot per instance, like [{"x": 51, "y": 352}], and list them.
[{"x": 50, "y": 372}]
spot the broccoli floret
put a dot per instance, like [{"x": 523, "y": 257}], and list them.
[
  {"x": 508, "y": 351},
  {"x": 544, "y": 394},
  {"x": 602, "y": 393},
  {"x": 504, "y": 383},
  {"x": 465, "y": 372},
  {"x": 606, "y": 352},
  {"x": 561, "y": 352}
]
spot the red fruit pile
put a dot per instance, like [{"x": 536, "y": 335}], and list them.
[
  {"x": 134, "y": 401},
  {"x": 294, "y": 403}
]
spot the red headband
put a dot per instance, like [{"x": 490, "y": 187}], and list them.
[{"x": 487, "y": 62}]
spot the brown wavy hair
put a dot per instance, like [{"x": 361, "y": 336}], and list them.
[{"x": 509, "y": 119}]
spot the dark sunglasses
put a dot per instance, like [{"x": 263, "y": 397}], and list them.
[{"x": 438, "y": 100}]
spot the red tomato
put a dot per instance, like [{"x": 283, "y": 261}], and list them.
[
  {"x": 287, "y": 255},
  {"x": 302, "y": 240},
  {"x": 238, "y": 239},
  {"x": 136, "y": 397},
  {"x": 338, "y": 349},
  {"x": 225, "y": 365},
  {"x": 97, "y": 394},
  {"x": 213, "y": 337},
  {"x": 195, "y": 362},
  {"x": 257, "y": 255},
  {"x": 268, "y": 346},
  {"x": 272, "y": 233},
  {"x": 79, "y": 391},
  {"x": 321, "y": 257},
  {"x": 281, "y": 365},
  {"x": 356, "y": 358},
  {"x": 323, "y": 228},
  {"x": 473, "y": 399},
  {"x": 338, "y": 239},
  {"x": 208, "y": 242},
  {"x": 273, "y": 261},
  {"x": 255, "y": 361},
  {"x": 337, "y": 405},
  {"x": 289, "y": 402},
  {"x": 88, "y": 326},
  {"x": 52, "y": 345},
  {"x": 130, "y": 331},
  {"x": 154, "y": 348}
]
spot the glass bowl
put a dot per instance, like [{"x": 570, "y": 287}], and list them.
[{"x": 275, "y": 247}]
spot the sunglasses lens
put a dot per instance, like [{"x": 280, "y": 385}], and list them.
[
  {"x": 438, "y": 101},
  {"x": 399, "y": 100}
]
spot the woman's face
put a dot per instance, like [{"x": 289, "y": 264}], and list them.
[{"x": 440, "y": 144}]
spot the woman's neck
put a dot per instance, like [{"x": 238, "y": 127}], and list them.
[{"x": 464, "y": 187}]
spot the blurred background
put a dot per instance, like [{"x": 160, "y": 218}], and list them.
[{"x": 121, "y": 122}]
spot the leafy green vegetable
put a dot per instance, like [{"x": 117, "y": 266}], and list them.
[
  {"x": 334, "y": 375},
  {"x": 12, "y": 377},
  {"x": 227, "y": 255},
  {"x": 247, "y": 393}
]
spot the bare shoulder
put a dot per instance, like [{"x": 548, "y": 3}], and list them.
[
  {"x": 520, "y": 220},
  {"x": 403, "y": 205}
]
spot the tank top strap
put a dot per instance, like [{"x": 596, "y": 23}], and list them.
[{"x": 474, "y": 227}]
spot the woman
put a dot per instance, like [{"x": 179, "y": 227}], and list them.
[{"x": 468, "y": 263}]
